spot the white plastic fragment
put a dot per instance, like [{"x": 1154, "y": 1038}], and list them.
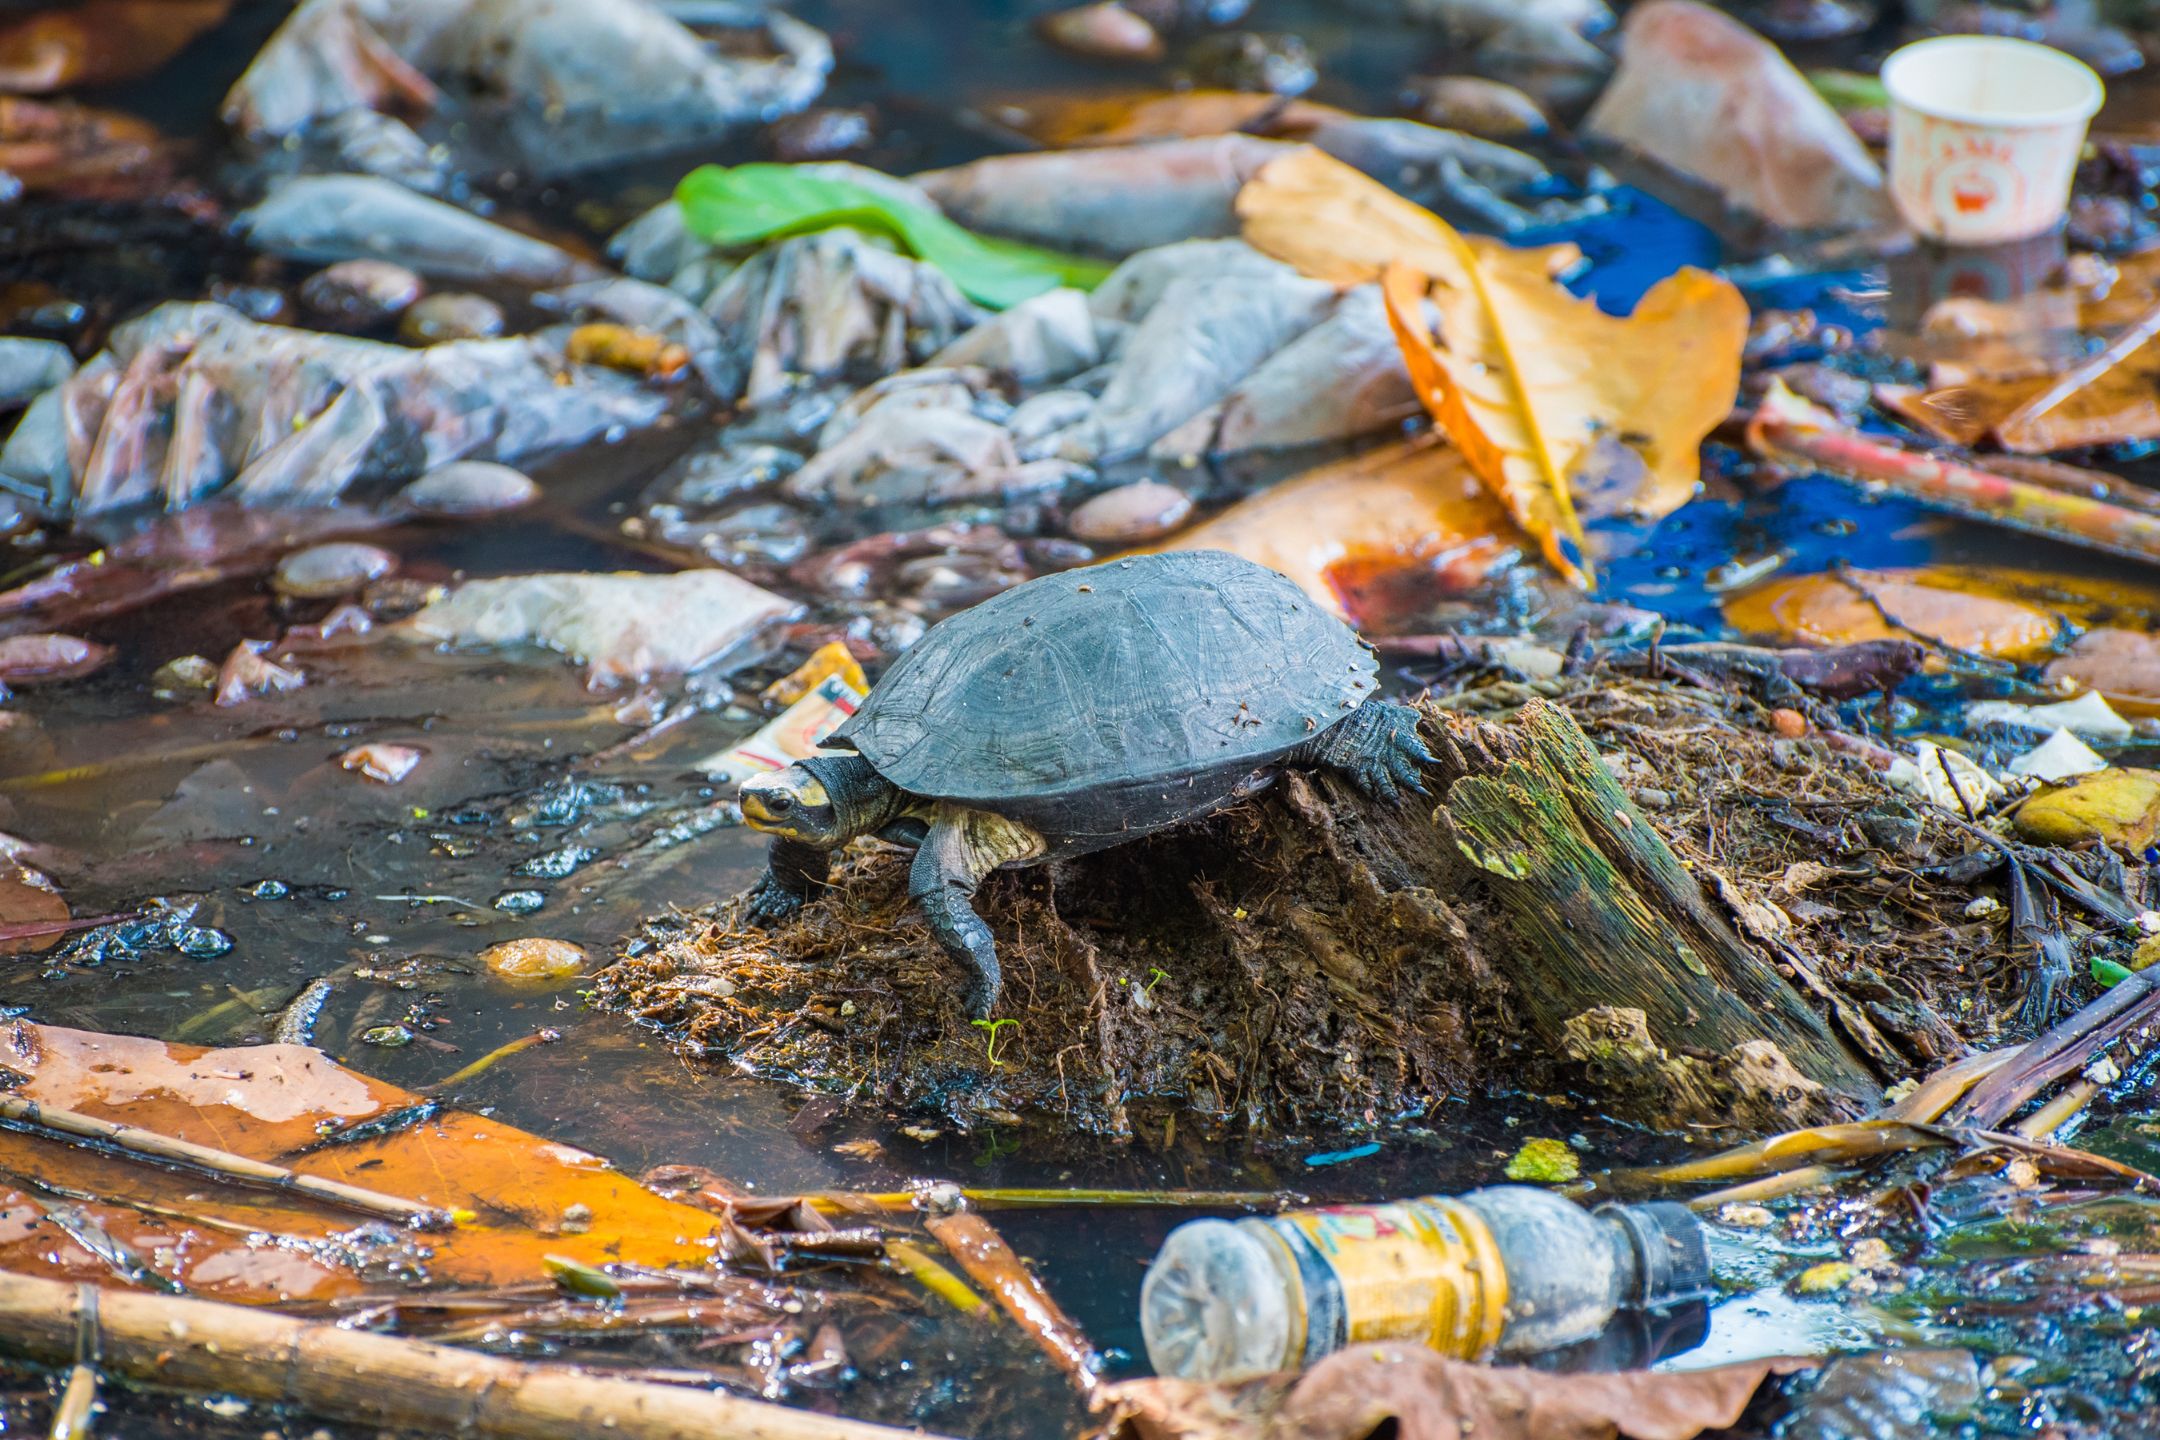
[
  {"x": 2089, "y": 716},
  {"x": 1945, "y": 778},
  {"x": 2057, "y": 758}
]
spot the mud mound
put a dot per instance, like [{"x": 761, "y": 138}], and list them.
[{"x": 1790, "y": 929}]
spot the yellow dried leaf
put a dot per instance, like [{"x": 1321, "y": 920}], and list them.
[{"x": 1526, "y": 378}]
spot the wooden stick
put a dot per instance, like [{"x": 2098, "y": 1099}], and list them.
[
  {"x": 202, "y": 1345},
  {"x": 151, "y": 1145},
  {"x": 844, "y": 1202},
  {"x": 1790, "y": 430},
  {"x": 991, "y": 1263}
]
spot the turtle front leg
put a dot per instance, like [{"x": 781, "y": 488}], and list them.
[
  {"x": 794, "y": 872},
  {"x": 1377, "y": 747}
]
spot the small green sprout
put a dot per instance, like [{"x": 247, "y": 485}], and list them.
[
  {"x": 1156, "y": 975},
  {"x": 990, "y": 1045}
]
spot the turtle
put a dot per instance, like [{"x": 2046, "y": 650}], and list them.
[{"x": 1075, "y": 712}]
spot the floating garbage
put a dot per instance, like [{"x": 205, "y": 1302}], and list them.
[
  {"x": 1507, "y": 1269},
  {"x": 794, "y": 734}
]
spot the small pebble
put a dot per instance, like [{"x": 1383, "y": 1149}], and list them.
[
  {"x": 29, "y": 659},
  {"x": 1873, "y": 1255},
  {"x": 1131, "y": 514},
  {"x": 452, "y": 315},
  {"x": 387, "y": 764},
  {"x": 258, "y": 302},
  {"x": 1789, "y": 723},
  {"x": 1106, "y": 31},
  {"x": 535, "y": 958},
  {"x": 200, "y": 942},
  {"x": 1827, "y": 1278},
  {"x": 188, "y": 672},
  {"x": 1748, "y": 1217},
  {"x": 1983, "y": 907},
  {"x": 1477, "y": 106},
  {"x": 520, "y": 902},
  {"x": 360, "y": 294},
  {"x": 470, "y": 487},
  {"x": 390, "y": 1036},
  {"x": 1274, "y": 64},
  {"x": 322, "y": 572},
  {"x": 821, "y": 134},
  {"x": 248, "y": 672}
]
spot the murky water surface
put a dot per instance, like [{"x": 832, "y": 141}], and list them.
[{"x": 288, "y": 868}]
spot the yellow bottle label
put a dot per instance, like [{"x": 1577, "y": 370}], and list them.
[{"x": 1417, "y": 1269}]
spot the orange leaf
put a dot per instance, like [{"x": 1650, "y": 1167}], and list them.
[
  {"x": 1526, "y": 378},
  {"x": 531, "y": 1197}
]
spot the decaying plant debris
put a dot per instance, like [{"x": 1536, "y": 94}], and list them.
[{"x": 1307, "y": 959}]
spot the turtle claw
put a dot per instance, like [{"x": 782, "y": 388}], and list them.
[
  {"x": 770, "y": 902},
  {"x": 1389, "y": 766}
]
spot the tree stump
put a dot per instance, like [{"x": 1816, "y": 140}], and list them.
[{"x": 1305, "y": 959}]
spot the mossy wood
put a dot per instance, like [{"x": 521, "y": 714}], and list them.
[
  {"x": 1608, "y": 914},
  {"x": 1307, "y": 958}
]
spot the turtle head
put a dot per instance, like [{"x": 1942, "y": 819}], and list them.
[{"x": 795, "y": 804}]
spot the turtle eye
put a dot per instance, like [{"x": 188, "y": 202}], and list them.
[{"x": 778, "y": 802}]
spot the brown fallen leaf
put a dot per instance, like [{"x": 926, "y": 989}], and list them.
[
  {"x": 2123, "y": 665},
  {"x": 1128, "y": 117},
  {"x": 2009, "y": 614},
  {"x": 1525, "y": 377},
  {"x": 1407, "y": 508},
  {"x": 67, "y": 149},
  {"x": 32, "y": 912},
  {"x": 99, "y": 41},
  {"x": 279, "y": 1103},
  {"x": 1427, "y": 1396}
]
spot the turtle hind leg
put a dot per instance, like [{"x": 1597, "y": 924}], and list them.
[
  {"x": 793, "y": 873},
  {"x": 961, "y": 846},
  {"x": 1377, "y": 747},
  {"x": 942, "y": 881}
]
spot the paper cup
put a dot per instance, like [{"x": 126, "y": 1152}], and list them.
[{"x": 1984, "y": 135}]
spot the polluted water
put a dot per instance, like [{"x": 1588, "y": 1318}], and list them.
[{"x": 459, "y": 462}]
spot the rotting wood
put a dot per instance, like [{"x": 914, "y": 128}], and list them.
[{"x": 320, "y": 1368}]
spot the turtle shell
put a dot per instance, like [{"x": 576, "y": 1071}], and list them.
[{"x": 1115, "y": 698}]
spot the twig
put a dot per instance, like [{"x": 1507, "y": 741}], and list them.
[
  {"x": 137, "y": 1143},
  {"x": 2071, "y": 381},
  {"x": 542, "y": 1036},
  {"x": 840, "y": 1202}
]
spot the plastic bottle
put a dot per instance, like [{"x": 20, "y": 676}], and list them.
[{"x": 1508, "y": 1270}]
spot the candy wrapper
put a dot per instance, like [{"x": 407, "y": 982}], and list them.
[{"x": 794, "y": 734}]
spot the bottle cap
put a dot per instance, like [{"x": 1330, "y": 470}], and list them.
[{"x": 1672, "y": 1255}]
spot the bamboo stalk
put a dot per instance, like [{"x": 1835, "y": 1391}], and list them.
[
  {"x": 991, "y": 1263},
  {"x": 2059, "y": 1111},
  {"x": 203, "y": 1345},
  {"x": 843, "y": 1202},
  {"x": 139, "y": 1143},
  {"x": 1790, "y": 430},
  {"x": 72, "y": 1417}
]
